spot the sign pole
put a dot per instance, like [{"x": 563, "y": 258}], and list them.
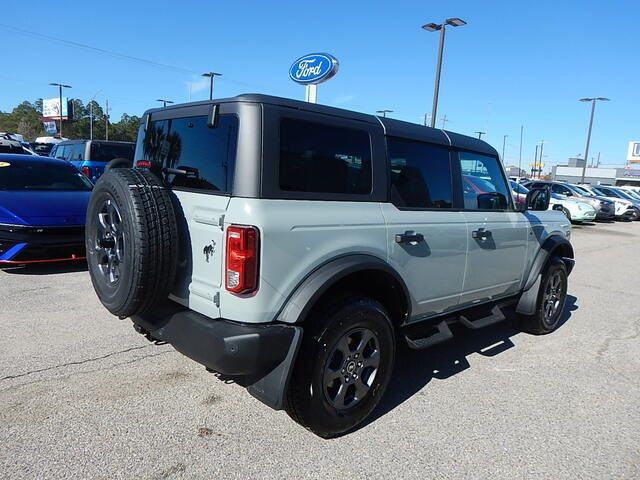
[{"x": 311, "y": 93}]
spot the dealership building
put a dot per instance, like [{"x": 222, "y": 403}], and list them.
[{"x": 629, "y": 175}]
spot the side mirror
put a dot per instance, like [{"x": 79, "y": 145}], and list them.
[
  {"x": 538, "y": 199},
  {"x": 492, "y": 201},
  {"x": 557, "y": 207}
]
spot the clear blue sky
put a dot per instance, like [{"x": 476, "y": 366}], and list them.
[{"x": 514, "y": 63}]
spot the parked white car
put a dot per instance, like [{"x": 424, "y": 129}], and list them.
[{"x": 575, "y": 210}]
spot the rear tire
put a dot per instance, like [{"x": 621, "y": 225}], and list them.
[
  {"x": 131, "y": 240},
  {"x": 552, "y": 297},
  {"x": 344, "y": 366}
]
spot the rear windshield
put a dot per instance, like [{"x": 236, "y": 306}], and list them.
[
  {"x": 188, "y": 154},
  {"x": 42, "y": 176},
  {"x": 15, "y": 149},
  {"x": 105, "y": 152}
]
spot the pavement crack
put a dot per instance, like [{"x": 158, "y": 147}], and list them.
[
  {"x": 76, "y": 362},
  {"x": 607, "y": 343}
]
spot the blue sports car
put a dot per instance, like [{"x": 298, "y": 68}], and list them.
[{"x": 43, "y": 204}]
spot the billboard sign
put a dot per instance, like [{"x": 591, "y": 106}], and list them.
[
  {"x": 313, "y": 69},
  {"x": 51, "y": 107},
  {"x": 50, "y": 127},
  {"x": 633, "y": 153}
]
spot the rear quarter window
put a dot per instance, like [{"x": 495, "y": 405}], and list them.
[{"x": 324, "y": 159}]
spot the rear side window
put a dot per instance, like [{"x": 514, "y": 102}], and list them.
[
  {"x": 105, "y": 152},
  {"x": 420, "y": 174},
  {"x": 187, "y": 154},
  {"x": 320, "y": 158},
  {"x": 75, "y": 151},
  {"x": 483, "y": 184}
]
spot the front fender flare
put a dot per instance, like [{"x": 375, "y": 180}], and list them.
[{"x": 529, "y": 298}]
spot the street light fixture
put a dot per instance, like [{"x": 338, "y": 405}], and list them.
[
  {"x": 164, "y": 102},
  {"x": 434, "y": 27},
  {"x": 586, "y": 150},
  {"x": 60, "y": 86},
  {"x": 384, "y": 112},
  {"x": 211, "y": 76}
]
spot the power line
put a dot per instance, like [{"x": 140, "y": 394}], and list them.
[
  {"x": 100, "y": 50},
  {"x": 131, "y": 58}
]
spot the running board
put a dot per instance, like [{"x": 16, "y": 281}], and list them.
[
  {"x": 495, "y": 317},
  {"x": 440, "y": 336}
]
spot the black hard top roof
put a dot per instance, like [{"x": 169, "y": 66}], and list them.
[{"x": 395, "y": 128}]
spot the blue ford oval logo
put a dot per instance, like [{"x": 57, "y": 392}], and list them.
[{"x": 313, "y": 68}]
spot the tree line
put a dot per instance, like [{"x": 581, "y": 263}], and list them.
[{"x": 26, "y": 119}]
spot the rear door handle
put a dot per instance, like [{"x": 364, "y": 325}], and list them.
[
  {"x": 481, "y": 234},
  {"x": 409, "y": 237}
]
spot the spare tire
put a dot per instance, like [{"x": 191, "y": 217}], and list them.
[
  {"x": 131, "y": 237},
  {"x": 119, "y": 162}
]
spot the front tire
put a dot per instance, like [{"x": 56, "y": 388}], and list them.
[
  {"x": 345, "y": 364},
  {"x": 552, "y": 297}
]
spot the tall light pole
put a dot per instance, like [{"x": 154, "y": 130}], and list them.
[
  {"x": 434, "y": 27},
  {"x": 164, "y": 102},
  {"x": 504, "y": 143},
  {"x": 384, "y": 112},
  {"x": 586, "y": 149},
  {"x": 211, "y": 76},
  {"x": 60, "y": 86}
]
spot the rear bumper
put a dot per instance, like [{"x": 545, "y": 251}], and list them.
[{"x": 258, "y": 356}]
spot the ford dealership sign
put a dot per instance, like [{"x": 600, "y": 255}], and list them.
[{"x": 313, "y": 68}]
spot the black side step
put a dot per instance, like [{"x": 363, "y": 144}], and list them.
[
  {"x": 441, "y": 335},
  {"x": 495, "y": 317}
]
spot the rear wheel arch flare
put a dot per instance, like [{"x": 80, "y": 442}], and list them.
[{"x": 353, "y": 274}]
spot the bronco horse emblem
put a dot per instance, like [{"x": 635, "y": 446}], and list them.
[{"x": 209, "y": 249}]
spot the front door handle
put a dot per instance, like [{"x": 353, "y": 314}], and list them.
[
  {"x": 409, "y": 237},
  {"x": 481, "y": 234}
]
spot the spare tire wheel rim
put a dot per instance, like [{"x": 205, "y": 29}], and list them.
[
  {"x": 351, "y": 368},
  {"x": 109, "y": 241}
]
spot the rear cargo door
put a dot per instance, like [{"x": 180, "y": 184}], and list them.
[{"x": 196, "y": 159}]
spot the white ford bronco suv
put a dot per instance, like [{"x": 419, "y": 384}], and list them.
[{"x": 291, "y": 246}]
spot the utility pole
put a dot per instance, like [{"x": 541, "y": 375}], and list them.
[
  {"x": 504, "y": 143},
  {"x": 539, "y": 166},
  {"x": 598, "y": 162},
  {"x": 480, "y": 134},
  {"x": 520, "y": 159},
  {"x": 106, "y": 121},
  {"x": 444, "y": 121}
]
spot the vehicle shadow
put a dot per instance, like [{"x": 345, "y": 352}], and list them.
[
  {"x": 47, "y": 268},
  {"x": 414, "y": 369}
]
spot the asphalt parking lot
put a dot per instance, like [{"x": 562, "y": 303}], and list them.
[{"x": 83, "y": 396}]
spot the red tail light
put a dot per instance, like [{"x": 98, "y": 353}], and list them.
[
  {"x": 86, "y": 172},
  {"x": 242, "y": 258},
  {"x": 143, "y": 164}
]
